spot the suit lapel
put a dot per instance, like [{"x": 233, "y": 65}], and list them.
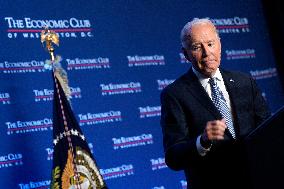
[
  {"x": 232, "y": 86},
  {"x": 196, "y": 89}
]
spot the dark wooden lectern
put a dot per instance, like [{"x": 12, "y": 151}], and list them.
[{"x": 265, "y": 153}]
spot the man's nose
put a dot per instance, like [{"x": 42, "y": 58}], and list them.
[{"x": 205, "y": 51}]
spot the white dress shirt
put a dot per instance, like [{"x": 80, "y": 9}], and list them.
[{"x": 205, "y": 84}]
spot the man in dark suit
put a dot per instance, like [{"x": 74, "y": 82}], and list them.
[{"x": 206, "y": 113}]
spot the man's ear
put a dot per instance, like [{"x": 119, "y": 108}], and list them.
[{"x": 185, "y": 53}]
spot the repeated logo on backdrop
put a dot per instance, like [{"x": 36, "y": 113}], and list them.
[
  {"x": 152, "y": 60},
  {"x": 9, "y": 67},
  {"x": 47, "y": 94},
  {"x": 158, "y": 164},
  {"x": 240, "y": 54},
  {"x": 121, "y": 88},
  {"x": 87, "y": 63},
  {"x": 264, "y": 74},
  {"x": 30, "y": 28},
  {"x": 132, "y": 141},
  {"x": 183, "y": 184},
  {"x": 162, "y": 83},
  {"x": 5, "y": 98},
  {"x": 11, "y": 160},
  {"x": 116, "y": 172},
  {"x": 159, "y": 187},
  {"x": 150, "y": 111},
  {"x": 43, "y": 184},
  {"x": 232, "y": 25},
  {"x": 19, "y": 127},
  {"x": 182, "y": 58},
  {"x": 98, "y": 118}
]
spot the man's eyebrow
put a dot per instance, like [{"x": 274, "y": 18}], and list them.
[
  {"x": 211, "y": 40},
  {"x": 196, "y": 43}
]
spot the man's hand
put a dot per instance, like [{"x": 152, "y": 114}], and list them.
[{"x": 214, "y": 130}]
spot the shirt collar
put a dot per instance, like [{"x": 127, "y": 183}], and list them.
[{"x": 203, "y": 79}]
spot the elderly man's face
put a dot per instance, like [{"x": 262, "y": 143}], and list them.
[{"x": 204, "y": 49}]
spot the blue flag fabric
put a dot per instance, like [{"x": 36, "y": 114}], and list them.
[{"x": 74, "y": 167}]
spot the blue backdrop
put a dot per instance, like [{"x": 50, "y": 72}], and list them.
[{"x": 119, "y": 56}]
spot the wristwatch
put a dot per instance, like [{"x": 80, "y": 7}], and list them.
[{"x": 205, "y": 144}]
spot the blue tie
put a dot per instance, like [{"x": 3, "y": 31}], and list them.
[{"x": 220, "y": 103}]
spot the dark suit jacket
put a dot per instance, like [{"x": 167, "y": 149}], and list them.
[{"x": 186, "y": 108}]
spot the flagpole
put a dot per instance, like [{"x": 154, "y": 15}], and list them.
[
  {"x": 73, "y": 162},
  {"x": 50, "y": 37},
  {"x": 67, "y": 133}
]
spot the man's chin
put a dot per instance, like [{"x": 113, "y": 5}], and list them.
[{"x": 209, "y": 72}]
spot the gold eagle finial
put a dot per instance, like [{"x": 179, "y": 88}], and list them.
[{"x": 49, "y": 37}]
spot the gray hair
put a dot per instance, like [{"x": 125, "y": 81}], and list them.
[{"x": 188, "y": 27}]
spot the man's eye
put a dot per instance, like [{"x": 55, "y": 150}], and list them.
[
  {"x": 195, "y": 48},
  {"x": 210, "y": 44}
]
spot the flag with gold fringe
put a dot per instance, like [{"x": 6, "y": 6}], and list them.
[{"x": 74, "y": 167}]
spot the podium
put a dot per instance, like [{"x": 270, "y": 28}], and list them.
[{"x": 265, "y": 153}]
